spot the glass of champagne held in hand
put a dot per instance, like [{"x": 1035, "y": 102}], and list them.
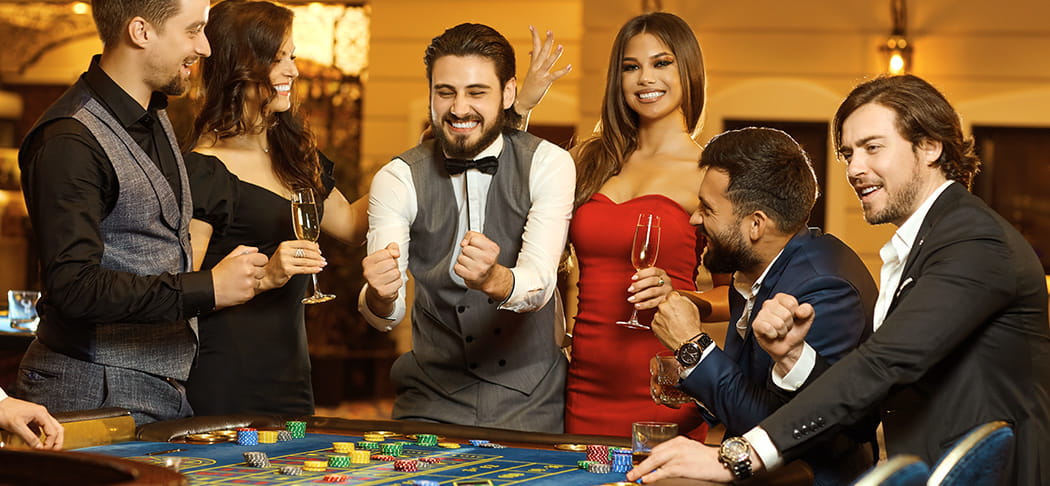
[
  {"x": 643, "y": 255},
  {"x": 307, "y": 223}
]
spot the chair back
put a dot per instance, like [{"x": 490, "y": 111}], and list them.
[
  {"x": 902, "y": 470},
  {"x": 978, "y": 459}
]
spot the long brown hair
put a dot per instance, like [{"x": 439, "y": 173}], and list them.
[
  {"x": 602, "y": 155},
  {"x": 245, "y": 37}
]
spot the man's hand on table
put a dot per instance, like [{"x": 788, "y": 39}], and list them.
[{"x": 685, "y": 458}]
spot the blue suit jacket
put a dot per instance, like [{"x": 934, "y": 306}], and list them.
[{"x": 815, "y": 268}]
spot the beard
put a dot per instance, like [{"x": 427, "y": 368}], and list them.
[
  {"x": 727, "y": 252},
  {"x": 176, "y": 86},
  {"x": 459, "y": 146},
  {"x": 901, "y": 203}
]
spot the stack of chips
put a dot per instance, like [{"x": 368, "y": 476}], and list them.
[
  {"x": 405, "y": 465},
  {"x": 247, "y": 436},
  {"x": 314, "y": 466},
  {"x": 283, "y": 435},
  {"x": 492, "y": 445},
  {"x": 342, "y": 447},
  {"x": 598, "y": 454},
  {"x": 291, "y": 470},
  {"x": 360, "y": 457},
  {"x": 621, "y": 460},
  {"x": 426, "y": 440},
  {"x": 599, "y": 468},
  {"x": 430, "y": 460},
  {"x": 256, "y": 459},
  {"x": 425, "y": 482},
  {"x": 583, "y": 464},
  {"x": 297, "y": 428},
  {"x": 392, "y": 449},
  {"x": 448, "y": 445},
  {"x": 373, "y": 437},
  {"x": 334, "y": 478},
  {"x": 384, "y": 457},
  {"x": 368, "y": 445},
  {"x": 339, "y": 460},
  {"x": 478, "y": 442},
  {"x": 267, "y": 436}
]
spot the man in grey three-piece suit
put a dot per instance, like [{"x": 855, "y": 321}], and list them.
[{"x": 486, "y": 209}]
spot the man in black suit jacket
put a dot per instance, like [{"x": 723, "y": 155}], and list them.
[
  {"x": 961, "y": 323},
  {"x": 756, "y": 196}
]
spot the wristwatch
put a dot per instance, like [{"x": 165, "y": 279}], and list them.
[
  {"x": 689, "y": 353},
  {"x": 735, "y": 455}
]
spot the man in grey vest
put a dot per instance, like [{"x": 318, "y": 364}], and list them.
[
  {"x": 486, "y": 209},
  {"x": 110, "y": 205}
]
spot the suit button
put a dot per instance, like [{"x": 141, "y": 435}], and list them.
[
  {"x": 469, "y": 339},
  {"x": 473, "y": 366},
  {"x": 820, "y": 421},
  {"x": 804, "y": 429},
  {"x": 813, "y": 425},
  {"x": 796, "y": 434},
  {"x": 461, "y": 309},
  {"x": 503, "y": 362}
]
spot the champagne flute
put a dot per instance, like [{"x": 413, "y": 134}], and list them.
[
  {"x": 307, "y": 224},
  {"x": 643, "y": 255}
]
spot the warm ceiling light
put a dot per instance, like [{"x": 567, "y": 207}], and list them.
[
  {"x": 897, "y": 50},
  {"x": 80, "y": 8}
]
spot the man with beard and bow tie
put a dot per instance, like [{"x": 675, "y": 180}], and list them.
[{"x": 486, "y": 208}]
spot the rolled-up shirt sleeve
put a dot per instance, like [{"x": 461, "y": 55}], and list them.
[
  {"x": 552, "y": 186},
  {"x": 391, "y": 211}
]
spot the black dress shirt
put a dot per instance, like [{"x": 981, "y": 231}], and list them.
[{"x": 70, "y": 187}]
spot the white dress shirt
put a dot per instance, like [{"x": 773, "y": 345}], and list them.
[
  {"x": 894, "y": 253},
  {"x": 392, "y": 208},
  {"x": 3, "y": 394}
]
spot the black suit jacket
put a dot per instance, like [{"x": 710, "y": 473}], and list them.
[{"x": 966, "y": 341}]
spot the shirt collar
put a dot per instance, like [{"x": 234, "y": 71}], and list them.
[
  {"x": 117, "y": 101},
  {"x": 904, "y": 238},
  {"x": 749, "y": 291},
  {"x": 494, "y": 149}
]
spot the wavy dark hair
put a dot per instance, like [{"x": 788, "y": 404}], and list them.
[
  {"x": 245, "y": 37},
  {"x": 112, "y": 16},
  {"x": 923, "y": 113},
  {"x": 602, "y": 156},
  {"x": 768, "y": 171}
]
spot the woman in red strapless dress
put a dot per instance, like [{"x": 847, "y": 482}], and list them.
[
  {"x": 608, "y": 386},
  {"x": 642, "y": 159}
]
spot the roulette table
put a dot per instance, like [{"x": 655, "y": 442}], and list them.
[{"x": 204, "y": 455}]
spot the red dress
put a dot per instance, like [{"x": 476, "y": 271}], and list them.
[{"x": 608, "y": 382}]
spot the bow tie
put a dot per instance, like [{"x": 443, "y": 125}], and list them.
[{"x": 487, "y": 165}]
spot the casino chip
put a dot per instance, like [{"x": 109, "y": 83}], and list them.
[
  {"x": 267, "y": 436},
  {"x": 256, "y": 459},
  {"x": 448, "y": 445},
  {"x": 339, "y": 461},
  {"x": 247, "y": 436},
  {"x": 297, "y": 428},
  {"x": 291, "y": 470},
  {"x": 492, "y": 445},
  {"x": 599, "y": 468},
  {"x": 334, "y": 478},
  {"x": 283, "y": 435},
  {"x": 425, "y": 482},
  {"x": 430, "y": 460},
  {"x": 406, "y": 465}
]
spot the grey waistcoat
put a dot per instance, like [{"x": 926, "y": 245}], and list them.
[
  {"x": 458, "y": 335},
  {"x": 146, "y": 233}
]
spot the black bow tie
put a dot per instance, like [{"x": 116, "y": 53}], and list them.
[{"x": 487, "y": 165}]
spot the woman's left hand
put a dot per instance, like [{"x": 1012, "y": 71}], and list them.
[{"x": 649, "y": 287}]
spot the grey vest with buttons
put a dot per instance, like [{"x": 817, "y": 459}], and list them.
[
  {"x": 459, "y": 335},
  {"x": 146, "y": 233}
]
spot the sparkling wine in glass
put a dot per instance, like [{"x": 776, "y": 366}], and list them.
[
  {"x": 643, "y": 255},
  {"x": 306, "y": 221}
]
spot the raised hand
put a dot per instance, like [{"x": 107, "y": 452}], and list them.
[
  {"x": 781, "y": 327},
  {"x": 384, "y": 279},
  {"x": 292, "y": 258},
  {"x": 677, "y": 319},
  {"x": 237, "y": 276},
  {"x": 539, "y": 77},
  {"x": 477, "y": 266},
  {"x": 25, "y": 418}
]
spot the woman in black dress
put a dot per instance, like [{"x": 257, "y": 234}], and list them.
[{"x": 251, "y": 148}]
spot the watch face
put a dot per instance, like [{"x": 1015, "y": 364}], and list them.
[
  {"x": 689, "y": 354},
  {"x": 735, "y": 449}
]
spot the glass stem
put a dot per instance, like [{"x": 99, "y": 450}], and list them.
[{"x": 313, "y": 276}]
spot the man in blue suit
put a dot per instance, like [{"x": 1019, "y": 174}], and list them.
[{"x": 755, "y": 199}]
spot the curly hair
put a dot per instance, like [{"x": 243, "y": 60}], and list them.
[{"x": 245, "y": 38}]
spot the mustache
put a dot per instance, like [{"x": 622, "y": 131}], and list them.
[{"x": 466, "y": 118}]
